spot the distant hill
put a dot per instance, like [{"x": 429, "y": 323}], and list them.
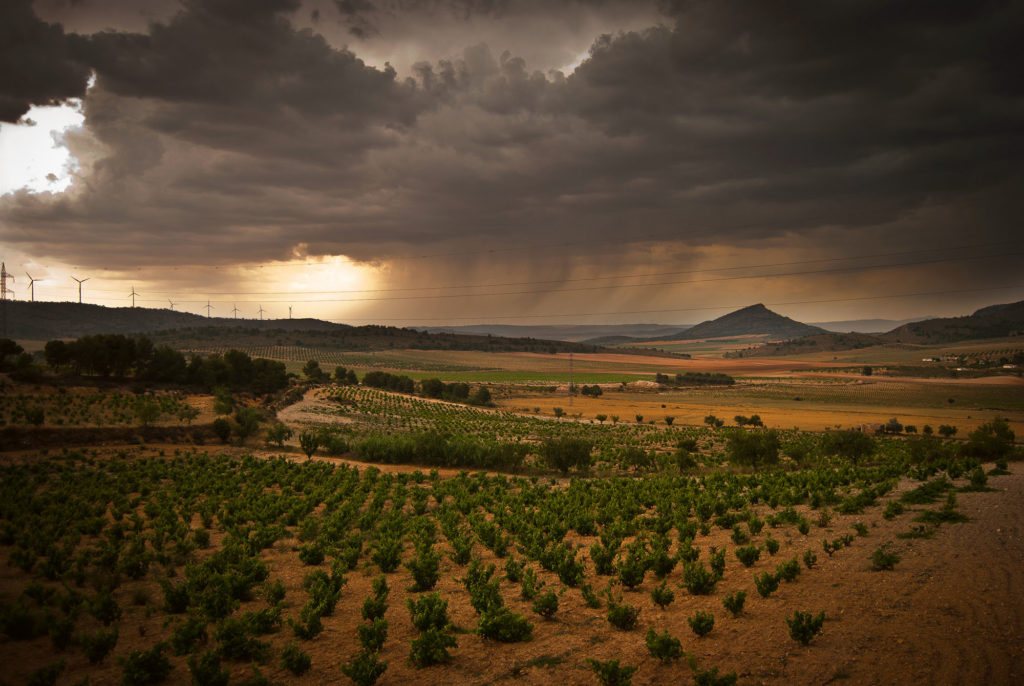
[
  {"x": 821, "y": 342},
  {"x": 49, "y": 320},
  {"x": 866, "y": 325},
  {"x": 580, "y": 333},
  {"x": 994, "y": 321},
  {"x": 755, "y": 320}
]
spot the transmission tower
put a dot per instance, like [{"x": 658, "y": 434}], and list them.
[
  {"x": 133, "y": 295},
  {"x": 32, "y": 285},
  {"x": 208, "y": 308},
  {"x": 80, "y": 282},
  {"x": 4, "y": 275}
]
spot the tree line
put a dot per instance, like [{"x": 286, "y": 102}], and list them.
[{"x": 117, "y": 355}]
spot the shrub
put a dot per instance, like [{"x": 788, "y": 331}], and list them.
[
  {"x": 222, "y": 429},
  {"x": 295, "y": 660},
  {"x": 755, "y": 448},
  {"x": 364, "y": 669},
  {"x": 431, "y": 648},
  {"x": 883, "y": 559},
  {"x": 788, "y": 570},
  {"x": 766, "y": 583},
  {"x": 621, "y": 615},
  {"x": 589, "y": 597},
  {"x": 810, "y": 559},
  {"x": 46, "y": 676},
  {"x": 98, "y": 645},
  {"x": 734, "y": 602},
  {"x": 771, "y": 545},
  {"x": 610, "y": 673},
  {"x": 546, "y": 604},
  {"x": 702, "y": 623},
  {"x": 187, "y": 635},
  {"x": 505, "y": 626},
  {"x": 145, "y": 666},
  {"x": 206, "y": 670},
  {"x": 803, "y": 626},
  {"x": 424, "y": 568},
  {"x": 748, "y": 555},
  {"x": 698, "y": 580},
  {"x": 662, "y": 595},
  {"x": 372, "y": 636},
  {"x": 429, "y": 612},
  {"x": 709, "y": 677},
  {"x": 663, "y": 646}
]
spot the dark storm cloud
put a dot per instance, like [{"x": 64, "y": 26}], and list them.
[
  {"x": 229, "y": 134},
  {"x": 37, "y": 66}
]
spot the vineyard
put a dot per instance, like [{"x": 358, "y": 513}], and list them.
[
  {"x": 140, "y": 568},
  {"x": 86, "y": 407}
]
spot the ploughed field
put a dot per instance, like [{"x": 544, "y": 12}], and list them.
[{"x": 143, "y": 565}]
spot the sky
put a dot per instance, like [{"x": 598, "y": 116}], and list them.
[{"x": 429, "y": 162}]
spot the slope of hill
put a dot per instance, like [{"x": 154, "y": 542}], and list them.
[
  {"x": 866, "y": 325},
  {"x": 749, "y": 321},
  {"x": 994, "y": 321},
  {"x": 49, "y": 320}
]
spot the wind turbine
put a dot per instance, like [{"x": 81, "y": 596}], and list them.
[
  {"x": 80, "y": 282},
  {"x": 261, "y": 312},
  {"x": 234, "y": 311},
  {"x": 133, "y": 295},
  {"x": 171, "y": 304},
  {"x": 32, "y": 285}
]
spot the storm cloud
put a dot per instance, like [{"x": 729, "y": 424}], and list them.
[{"x": 233, "y": 131}]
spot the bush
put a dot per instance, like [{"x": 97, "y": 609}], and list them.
[
  {"x": 622, "y": 616},
  {"x": 663, "y": 646},
  {"x": 748, "y": 555},
  {"x": 766, "y": 583},
  {"x": 803, "y": 626},
  {"x": 295, "y": 660},
  {"x": 372, "y": 636},
  {"x": 662, "y": 595},
  {"x": 222, "y": 429},
  {"x": 882, "y": 559},
  {"x": 431, "y": 648},
  {"x": 206, "y": 670},
  {"x": 145, "y": 666},
  {"x": 364, "y": 669},
  {"x": 788, "y": 570},
  {"x": 810, "y": 559},
  {"x": 698, "y": 580},
  {"x": 771, "y": 545},
  {"x": 424, "y": 568},
  {"x": 702, "y": 623},
  {"x": 734, "y": 602},
  {"x": 429, "y": 612},
  {"x": 503, "y": 625},
  {"x": 46, "y": 676},
  {"x": 546, "y": 604},
  {"x": 610, "y": 673},
  {"x": 98, "y": 645}
]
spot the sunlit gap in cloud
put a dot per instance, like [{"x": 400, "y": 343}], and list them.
[{"x": 34, "y": 154}]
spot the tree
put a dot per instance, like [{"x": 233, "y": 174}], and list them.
[
  {"x": 991, "y": 441},
  {"x": 311, "y": 370},
  {"x": 147, "y": 411},
  {"x": 277, "y": 434},
  {"x": 566, "y": 453},
  {"x": 247, "y": 421},
  {"x": 893, "y": 426},
  {"x": 947, "y": 431},
  {"x": 222, "y": 428},
  {"x": 755, "y": 448},
  {"x": 867, "y": 371},
  {"x": 309, "y": 441},
  {"x": 558, "y": 412}
]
